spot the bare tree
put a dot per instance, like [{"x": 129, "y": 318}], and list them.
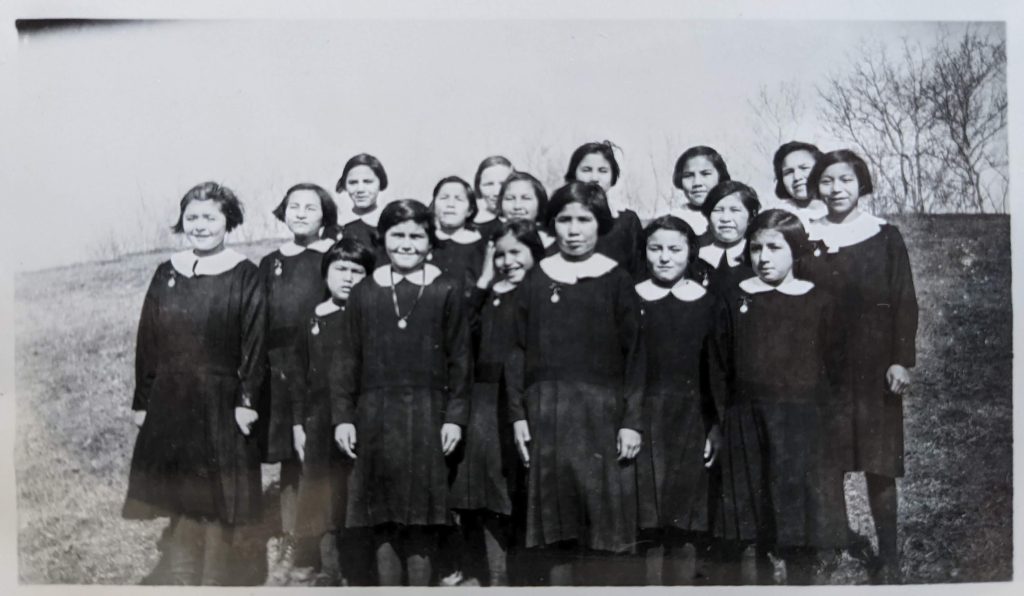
[{"x": 775, "y": 115}]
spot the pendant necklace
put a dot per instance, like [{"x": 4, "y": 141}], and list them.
[{"x": 403, "y": 321}]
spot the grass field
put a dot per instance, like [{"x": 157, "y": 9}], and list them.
[{"x": 75, "y": 338}]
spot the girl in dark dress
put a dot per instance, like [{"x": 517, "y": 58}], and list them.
[
  {"x": 323, "y": 486},
  {"x": 363, "y": 178},
  {"x": 490, "y": 175},
  {"x": 459, "y": 251},
  {"x": 775, "y": 373},
  {"x": 792, "y": 164},
  {"x": 864, "y": 262},
  {"x": 680, "y": 422},
  {"x": 697, "y": 171},
  {"x": 575, "y": 383},
  {"x": 399, "y": 385},
  {"x": 292, "y": 286},
  {"x": 523, "y": 198},
  {"x": 198, "y": 369},
  {"x": 484, "y": 480},
  {"x": 595, "y": 162},
  {"x": 723, "y": 262}
]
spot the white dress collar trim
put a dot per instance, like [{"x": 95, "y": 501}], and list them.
[
  {"x": 545, "y": 239},
  {"x": 712, "y": 253},
  {"x": 503, "y": 287},
  {"x": 813, "y": 210},
  {"x": 371, "y": 219},
  {"x": 290, "y": 248},
  {"x": 790, "y": 287},
  {"x": 383, "y": 276},
  {"x": 188, "y": 264},
  {"x": 328, "y": 307},
  {"x": 685, "y": 289},
  {"x": 836, "y": 236},
  {"x": 461, "y": 236},
  {"x": 570, "y": 272},
  {"x": 693, "y": 217}
]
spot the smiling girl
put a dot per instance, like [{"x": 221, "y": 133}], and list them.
[
  {"x": 523, "y": 198},
  {"x": 697, "y": 171},
  {"x": 793, "y": 163},
  {"x": 363, "y": 179},
  {"x": 723, "y": 262}
]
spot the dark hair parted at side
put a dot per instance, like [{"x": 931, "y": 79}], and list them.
[
  {"x": 538, "y": 190},
  {"x": 404, "y": 210},
  {"x": 327, "y": 205},
  {"x": 785, "y": 223},
  {"x": 780, "y": 155},
  {"x": 523, "y": 231},
  {"x": 588, "y": 194},
  {"x": 363, "y": 159},
  {"x": 605, "y": 148},
  {"x": 723, "y": 189},
  {"x": 229, "y": 204},
  {"x": 860, "y": 168},
  {"x": 348, "y": 249},
  {"x": 700, "y": 151},
  {"x": 470, "y": 196},
  {"x": 671, "y": 222},
  {"x": 494, "y": 160}
]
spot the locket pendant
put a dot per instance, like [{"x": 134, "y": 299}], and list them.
[{"x": 402, "y": 324}]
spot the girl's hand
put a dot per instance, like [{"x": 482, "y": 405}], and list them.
[
  {"x": 711, "y": 446},
  {"x": 139, "y": 417},
  {"x": 897, "y": 378},
  {"x": 345, "y": 437},
  {"x": 487, "y": 275},
  {"x": 245, "y": 418},
  {"x": 521, "y": 430},
  {"x": 628, "y": 443},
  {"x": 299, "y": 441},
  {"x": 451, "y": 434}
]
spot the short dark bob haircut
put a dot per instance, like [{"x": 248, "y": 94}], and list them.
[
  {"x": 538, "y": 190},
  {"x": 723, "y": 189},
  {"x": 675, "y": 224},
  {"x": 403, "y": 210},
  {"x": 327, "y": 204},
  {"x": 348, "y": 249},
  {"x": 470, "y": 196},
  {"x": 605, "y": 148},
  {"x": 780, "y": 155},
  {"x": 489, "y": 162},
  {"x": 225, "y": 198},
  {"x": 523, "y": 231},
  {"x": 865, "y": 186},
  {"x": 588, "y": 194},
  {"x": 363, "y": 159},
  {"x": 700, "y": 151},
  {"x": 786, "y": 224}
]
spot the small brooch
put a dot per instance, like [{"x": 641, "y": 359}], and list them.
[
  {"x": 705, "y": 279},
  {"x": 744, "y": 304},
  {"x": 278, "y": 268},
  {"x": 316, "y": 327},
  {"x": 497, "y": 302},
  {"x": 555, "y": 288},
  {"x": 172, "y": 281}
]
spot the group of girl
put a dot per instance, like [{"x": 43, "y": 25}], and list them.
[{"x": 541, "y": 381}]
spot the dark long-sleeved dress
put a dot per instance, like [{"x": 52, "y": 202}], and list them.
[
  {"x": 398, "y": 387},
  {"x": 462, "y": 261},
  {"x": 486, "y": 474},
  {"x": 624, "y": 244},
  {"x": 722, "y": 275},
  {"x": 577, "y": 377},
  {"x": 367, "y": 235},
  {"x": 672, "y": 481},
  {"x": 874, "y": 286},
  {"x": 199, "y": 354},
  {"x": 775, "y": 373},
  {"x": 292, "y": 286}
]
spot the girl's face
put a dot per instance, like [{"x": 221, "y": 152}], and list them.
[
  {"x": 205, "y": 226},
  {"x": 342, "y": 276},
  {"x": 699, "y": 176},
  {"x": 512, "y": 258},
  {"x": 519, "y": 203},
  {"x": 839, "y": 187},
  {"x": 407, "y": 245},
  {"x": 796, "y": 166},
  {"x": 490, "y": 184},
  {"x": 304, "y": 215},
  {"x": 771, "y": 256},
  {"x": 729, "y": 219},
  {"x": 362, "y": 186},
  {"x": 668, "y": 254},
  {"x": 451, "y": 206},
  {"x": 595, "y": 168},
  {"x": 576, "y": 231}
]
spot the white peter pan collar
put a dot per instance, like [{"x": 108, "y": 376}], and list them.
[
  {"x": 684, "y": 289},
  {"x": 836, "y": 236},
  {"x": 814, "y": 209},
  {"x": 503, "y": 287},
  {"x": 712, "y": 253},
  {"x": 188, "y": 264},
  {"x": 328, "y": 307},
  {"x": 693, "y": 217},
  {"x": 570, "y": 272},
  {"x": 384, "y": 276},
  {"x": 371, "y": 219},
  {"x": 461, "y": 236},
  {"x": 290, "y": 248},
  {"x": 545, "y": 239},
  {"x": 790, "y": 287}
]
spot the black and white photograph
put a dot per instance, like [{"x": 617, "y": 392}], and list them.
[{"x": 575, "y": 295}]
